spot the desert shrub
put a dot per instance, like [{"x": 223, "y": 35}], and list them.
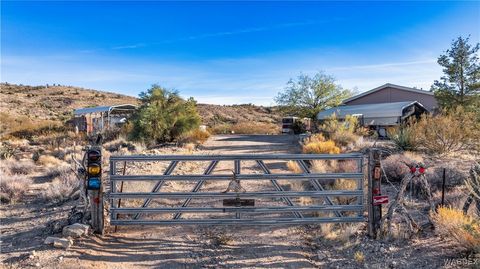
[
  {"x": 463, "y": 229},
  {"x": 315, "y": 138},
  {"x": 449, "y": 132},
  {"x": 224, "y": 128},
  {"x": 345, "y": 184},
  {"x": 321, "y": 147},
  {"x": 49, "y": 160},
  {"x": 346, "y": 166},
  {"x": 344, "y": 138},
  {"x": 13, "y": 186},
  {"x": 24, "y": 167},
  {"x": 163, "y": 116},
  {"x": 6, "y": 150},
  {"x": 119, "y": 143},
  {"x": 404, "y": 137},
  {"x": 196, "y": 136},
  {"x": 342, "y": 132},
  {"x": 394, "y": 165},
  {"x": 294, "y": 167},
  {"x": 62, "y": 187},
  {"x": 332, "y": 125},
  {"x": 359, "y": 257},
  {"x": 55, "y": 171},
  {"x": 453, "y": 177}
]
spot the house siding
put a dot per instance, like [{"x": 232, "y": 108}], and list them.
[{"x": 390, "y": 95}]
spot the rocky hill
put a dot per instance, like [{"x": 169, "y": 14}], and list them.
[{"x": 57, "y": 102}]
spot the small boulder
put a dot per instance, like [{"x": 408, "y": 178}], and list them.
[
  {"x": 58, "y": 242},
  {"x": 75, "y": 230},
  {"x": 63, "y": 243}
]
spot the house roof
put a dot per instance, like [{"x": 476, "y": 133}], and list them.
[
  {"x": 381, "y": 110},
  {"x": 98, "y": 109},
  {"x": 388, "y": 85}
]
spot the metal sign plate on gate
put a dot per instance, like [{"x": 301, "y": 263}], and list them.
[{"x": 238, "y": 202}]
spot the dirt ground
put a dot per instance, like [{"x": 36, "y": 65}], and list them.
[{"x": 26, "y": 225}]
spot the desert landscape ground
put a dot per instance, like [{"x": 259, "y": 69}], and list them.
[{"x": 26, "y": 225}]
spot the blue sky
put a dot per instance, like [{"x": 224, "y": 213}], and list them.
[{"x": 229, "y": 52}]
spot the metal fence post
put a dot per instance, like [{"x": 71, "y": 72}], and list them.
[{"x": 374, "y": 188}]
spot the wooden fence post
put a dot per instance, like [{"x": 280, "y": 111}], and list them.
[
  {"x": 96, "y": 204},
  {"x": 95, "y": 187},
  {"x": 374, "y": 189}
]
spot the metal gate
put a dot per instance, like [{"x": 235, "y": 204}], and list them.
[{"x": 235, "y": 189}]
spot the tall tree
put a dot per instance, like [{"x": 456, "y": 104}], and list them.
[
  {"x": 163, "y": 116},
  {"x": 460, "y": 85},
  {"x": 306, "y": 96}
]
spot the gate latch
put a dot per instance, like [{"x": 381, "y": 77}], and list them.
[{"x": 235, "y": 186}]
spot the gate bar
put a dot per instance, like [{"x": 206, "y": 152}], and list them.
[
  {"x": 190, "y": 195},
  {"x": 131, "y": 210},
  {"x": 239, "y": 221},
  {"x": 245, "y": 157},
  {"x": 240, "y": 177}
]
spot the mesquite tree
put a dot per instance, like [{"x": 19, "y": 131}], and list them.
[{"x": 306, "y": 96}]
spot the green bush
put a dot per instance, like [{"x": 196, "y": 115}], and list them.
[
  {"x": 404, "y": 137},
  {"x": 163, "y": 116}
]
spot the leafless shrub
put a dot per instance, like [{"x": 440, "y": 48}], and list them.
[
  {"x": 13, "y": 186},
  {"x": 56, "y": 171},
  {"x": 122, "y": 143},
  {"x": 48, "y": 160},
  {"x": 395, "y": 167},
  {"x": 62, "y": 187},
  {"x": 449, "y": 132},
  {"x": 453, "y": 177},
  {"x": 14, "y": 166}
]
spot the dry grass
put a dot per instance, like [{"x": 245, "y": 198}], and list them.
[
  {"x": 62, "y": 187},
  {"x": 196, "y": 136},
  {"x": 49, "y": 161},
  {"x": 326, "y": 147},
  {"x": 255, "y": 128},
  {"x": 463, "y": 229},
  {"x": 294, "y": 167},
  {"x": 394, "y": 167},
  {"x": 250, "y": 127},
  {"x": 13, "y": 186},
  {"x": 359, "y": 257},
  {"x": 13, "y": 166},
  {"x": 122, "y": 143},
  {"x": 314, "y": 138},
  {"x": 344, "y": 138}
]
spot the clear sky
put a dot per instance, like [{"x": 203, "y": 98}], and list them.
[{"x": 228, "y": 52}]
